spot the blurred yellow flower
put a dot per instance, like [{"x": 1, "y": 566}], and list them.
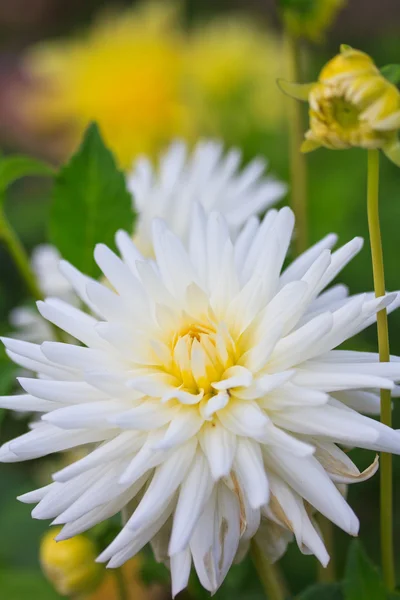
[
  {"x": 310, "y": 18},
  {"x": 234, "y": 64},
  {"x": 126, "y": 73},
  {"x": 351, "y": 105},
  {"x": 147, "y": 80},
  {"x": 70, "y": 565}
]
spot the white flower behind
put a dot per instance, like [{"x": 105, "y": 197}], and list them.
[
  {"x": 208, "y": 176},
  {"x": 28, "y": 324},
  {"x": 210, "y": 383}
]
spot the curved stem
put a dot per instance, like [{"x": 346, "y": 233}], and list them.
[
  {"x": 121, "y": 585},
  {"x": 268, "y": 574},
  {"x": 297, "y": 159},
  {"x": 386, "y": 501},
  {"x": 18, "y": 253}
]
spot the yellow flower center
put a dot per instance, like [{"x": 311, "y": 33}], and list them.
[
  {"x": 345, "y": 113},
  {"x": 200, "y": 354}
]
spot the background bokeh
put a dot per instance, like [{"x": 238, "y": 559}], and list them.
[{"x": 252, "y": 117}]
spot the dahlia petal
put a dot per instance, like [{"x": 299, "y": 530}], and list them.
[
  {"x": 243, "y": 418},
  {"x": 339, "y": 466},
  {"x": 296, "y": 347},
  {"x": 289, "y": 509},
  {"x": 309, "y": 480},
  {"x": 26, "y": 402},
  {"x": 215, "y": 404},
  {"x": 111, "y": 450},
  {"x": 61, "y": 495},
  {"x": 36, "y": 495},
  {"x": 92, "y": 414},
  {"x": 263, "y": 385},
  {"x": 99, "y": 514},
  {"x": 193, "y": 496},
  {"x": 70, "y": 319},
  {"x": 130, "y": 254},
  {"x": 64, "y": 392},
  {"x": 48, "y": 439},
  {"x": 331, "y": 381},
  {"x": 219, "y": 446},
  {"x": 249, "y": 467},
  {"x": 78, "y": 281},
  {"x": 149, "y": 415},
  {"x": 167, "y": 478},
  {"x": 180, "y": 570},
  {"x": 329, "y": 422},
  {"x": 234, "y": 377},
  {"x": 185, "y": 425},
  {"x": 297, "y": 269},
  {"x": 142, "y": 537},
  {"x": 147, "y": 458},
  {"x": 365, "y": 402}
]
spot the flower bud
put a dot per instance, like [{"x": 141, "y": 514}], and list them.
[
  {"x": 309, "y": 18},
  {"x": 70, "y": 564},
  {"x": 351, "y": 105}
]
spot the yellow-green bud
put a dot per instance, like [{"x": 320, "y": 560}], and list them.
[
  {"x": 70, "y": 565},
  {"x": 351, "y": 105}
]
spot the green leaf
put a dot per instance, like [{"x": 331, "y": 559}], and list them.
[
  {"x": 90, "y": 203},
  {"x": 16, "y": 584},
  {"x": 362, "y": 579},
  {"x": 15, "y": 167},
  {"x": 392, "y": 73},
  {"x": 323, "y": 591}
]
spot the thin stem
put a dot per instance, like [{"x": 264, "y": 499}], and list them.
[
  {"x": 121, "y": 585},
  {"x": 297, "y": 159},
  {"x": 17, "y": 251},
  {"x": 384, "y": 356},
  {"x": 268, "y": 574},
  {"x": 327, "y": 574}
]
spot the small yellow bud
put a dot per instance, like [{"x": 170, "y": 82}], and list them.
[
  {"x": 70, "y": 565},
  {"x": 310, "y": 18},
  {"x": 351, "y": 105}
]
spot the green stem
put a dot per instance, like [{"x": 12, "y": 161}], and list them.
[
  {"x": 268, "y": 574},
  {"x": 17, "y": 251},
  {"x": 121, "y": 585},
  {"x": 327, "y": 574},
  {"x": 386, "y": 491},
  {"x": 297, "y": 159}
]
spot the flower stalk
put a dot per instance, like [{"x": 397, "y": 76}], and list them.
[
  {"x": 268, "y": 574},
  {"x": 386, "y": 489},
  {"x": 17, "y": 251},
  {"x": 297, "y": 159}
]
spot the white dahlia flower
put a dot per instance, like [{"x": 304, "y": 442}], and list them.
[
  {"x": 210, "y": 386},
  {"x": 207, "y": 175}
]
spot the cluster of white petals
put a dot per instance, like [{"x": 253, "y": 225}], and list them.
[
  {"x": 210, "y": 395},
  {"x": 207, "y": 176}
]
